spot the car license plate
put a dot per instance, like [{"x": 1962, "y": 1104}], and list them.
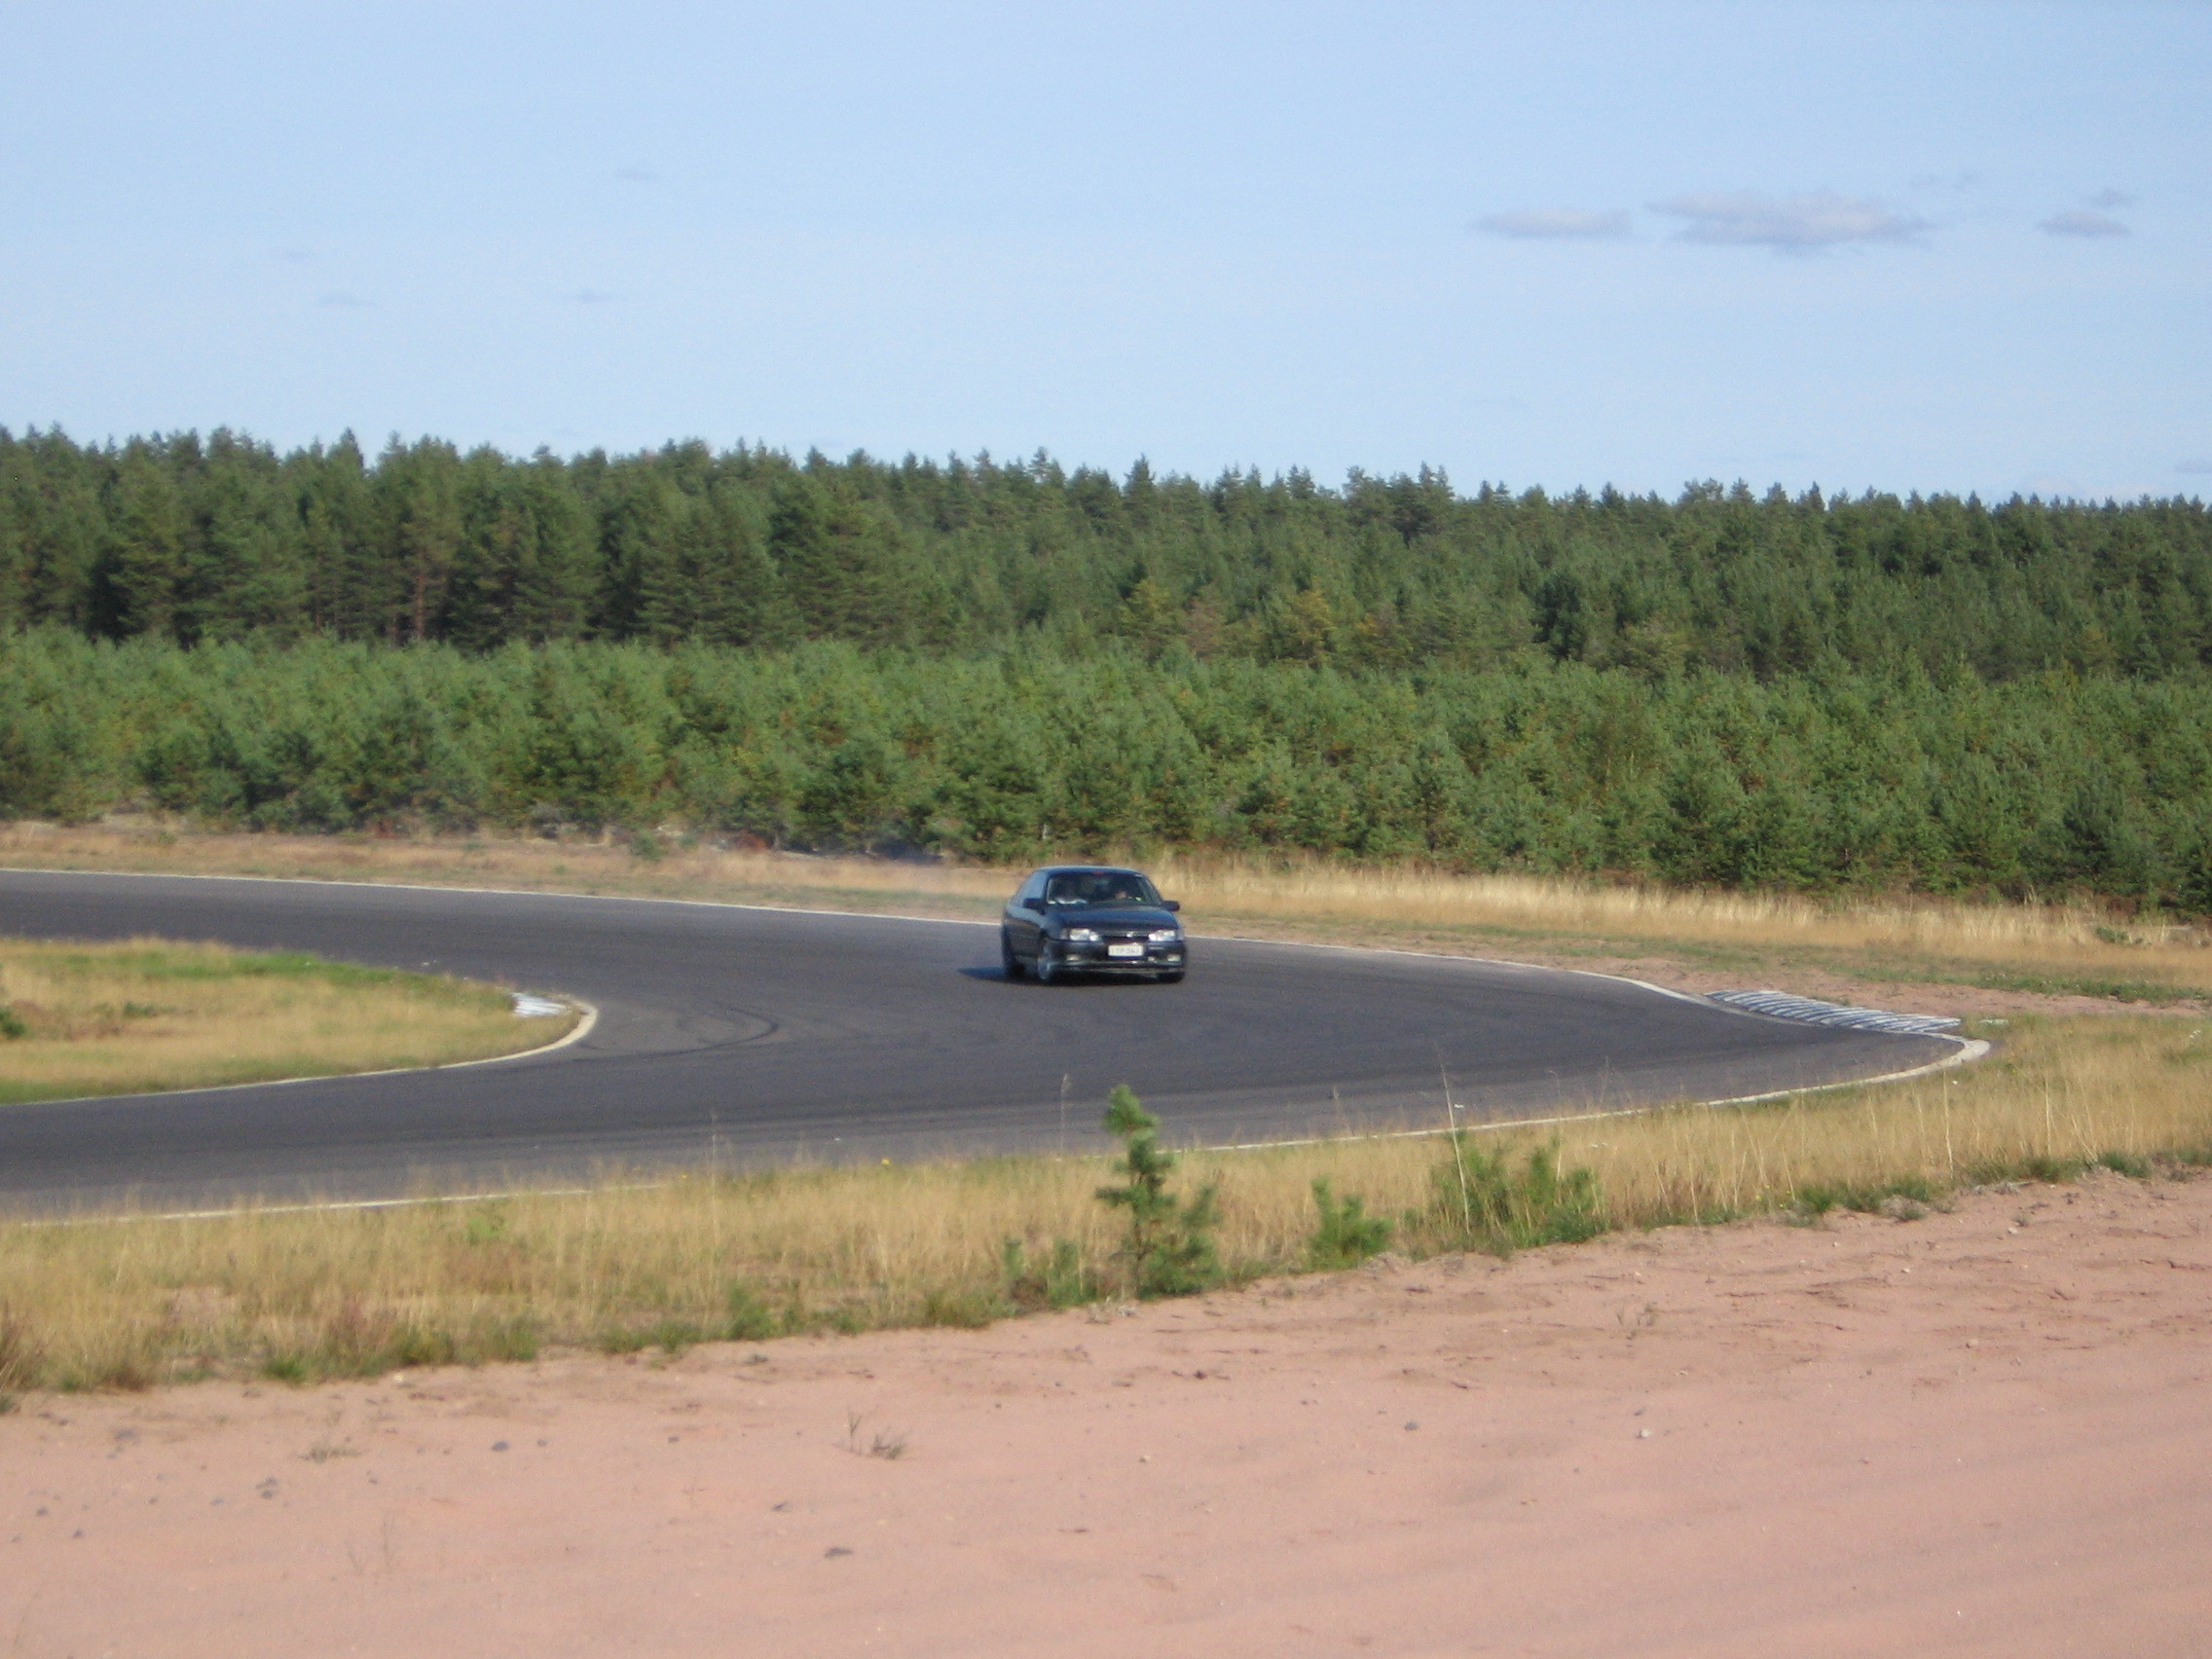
[{"x": 1125, "y": 951}]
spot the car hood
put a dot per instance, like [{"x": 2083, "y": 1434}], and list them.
[{"x": 1116, "y": 915}]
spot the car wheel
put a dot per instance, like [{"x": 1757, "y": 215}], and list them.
[
  {"x": 1047, "y": 969},
  {"x": 1008, "y": 961}
]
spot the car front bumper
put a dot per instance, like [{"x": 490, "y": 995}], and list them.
[{"x": 1093, "y": 958}]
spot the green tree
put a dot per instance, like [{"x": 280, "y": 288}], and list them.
[
  {"x": 1170, "y": 1249},
  {"x": 146, "y": 565},
  {"x": 420, "y": 491},
  {"x": 835, "y": 561}
]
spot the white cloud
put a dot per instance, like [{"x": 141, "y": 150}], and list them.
[
  {"x": 2081, "y": 221},
  {"x": 1794, "y": 224},
  {"x": 1556, "y": 224},
  {"x": 341, "y": 299},
  {"x": 594, "y": 297},
  {"x": 2194, "y": 465},
  {"x": 638, "y": 172},
  {"x": 2110, "y": 198}
]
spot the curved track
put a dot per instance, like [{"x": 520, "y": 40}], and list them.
[{"x": 754, "y": 1036}]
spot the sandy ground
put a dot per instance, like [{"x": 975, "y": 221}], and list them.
[{"x": 1988, "y": 1431}]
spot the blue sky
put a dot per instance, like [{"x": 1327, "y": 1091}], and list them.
[{"x": 1924, "y": 246}]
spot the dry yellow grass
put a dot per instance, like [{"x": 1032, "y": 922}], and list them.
[
  {"x": 2036, "y": 937},
  {"x": 2028, "y": 948},
  {"x": 148, "y": 1014},
  {"x": 298, "y": 1293}
]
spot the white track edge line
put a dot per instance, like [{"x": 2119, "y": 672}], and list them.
[
  {"x": 1970, "y": 1048},
  {"x": 318, "y": 1208},
  {"x": 497, "y": 892}
]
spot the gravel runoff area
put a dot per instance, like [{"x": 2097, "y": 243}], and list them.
[{"x": 1980, "y": 1433}]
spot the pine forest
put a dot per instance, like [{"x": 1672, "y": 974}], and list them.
[{"x": 1012, "y": 661}]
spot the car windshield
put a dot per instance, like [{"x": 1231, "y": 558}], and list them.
[{"x": 1099, "y": 887}]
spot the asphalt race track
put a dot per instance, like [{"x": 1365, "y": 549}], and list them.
[{"x": 753, "y": 1037}]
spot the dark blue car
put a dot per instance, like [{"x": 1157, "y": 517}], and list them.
[{"x": 1091, "y": 919}]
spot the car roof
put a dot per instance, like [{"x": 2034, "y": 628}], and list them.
[{"x": 1087, "y": 870}]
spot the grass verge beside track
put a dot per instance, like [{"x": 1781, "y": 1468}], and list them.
[
  {"x": 127, "y": 1303},
  {"x": 151, "y": 1014}
]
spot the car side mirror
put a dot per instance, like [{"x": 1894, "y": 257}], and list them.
[{"x": 1170, "y": 904}]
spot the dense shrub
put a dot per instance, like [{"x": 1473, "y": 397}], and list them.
[{"x": 1814, "y": 782}]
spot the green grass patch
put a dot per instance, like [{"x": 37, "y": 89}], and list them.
[{"x": 145, "y": 1016}]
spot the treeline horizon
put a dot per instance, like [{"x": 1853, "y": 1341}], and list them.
[
  {"x": 209, "y": 540},
  {"x": 2050, "y": 786}
]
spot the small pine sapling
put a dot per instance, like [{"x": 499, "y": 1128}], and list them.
[
  {"x": 1170, "y": 1250},
  {"x": 1055, "y": 1279},
  {"x": 1346, "y": 1234},
  {"x": 750, "y": 1318},
  {"x": 1503, "y": 1209}
]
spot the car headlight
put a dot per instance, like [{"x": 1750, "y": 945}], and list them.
[
  {"x": 1165, "y": 936},
  {"x": 1082, "y": 936}
]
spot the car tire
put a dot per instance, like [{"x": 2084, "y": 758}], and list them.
[
  {"x": 1010, "y": 963},
  {"x": 1045, "y": 969}
]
